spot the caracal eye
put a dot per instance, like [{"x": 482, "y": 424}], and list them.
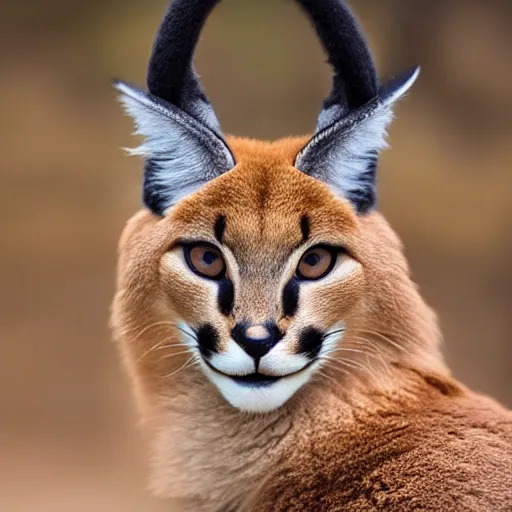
[
  {"x": 205, "y": 260},
  {"x": 316, "y": 263}
]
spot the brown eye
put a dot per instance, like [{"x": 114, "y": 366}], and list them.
[
  {"x": 316, "y": 263},
  {"x": 205, "y": 260}
]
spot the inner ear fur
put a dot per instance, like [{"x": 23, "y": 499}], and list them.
[
  {"x": 345, "y": 153},
  {"x": 181, "y": 153}
]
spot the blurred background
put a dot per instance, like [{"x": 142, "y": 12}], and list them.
[{"x": 67, "y": 429}]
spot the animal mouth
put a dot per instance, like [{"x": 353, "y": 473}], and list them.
[{"x": 257, "y": 379}]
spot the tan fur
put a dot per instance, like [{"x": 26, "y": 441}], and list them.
[{"x": 391, "y": 431}]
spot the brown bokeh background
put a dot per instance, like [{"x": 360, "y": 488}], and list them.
[{"x": 68, "y": 439}]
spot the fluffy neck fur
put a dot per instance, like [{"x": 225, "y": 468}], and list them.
[{"x": 208, "y": 456}]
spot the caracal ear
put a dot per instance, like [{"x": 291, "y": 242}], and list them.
[
  {"x": 181, "y": 154},
  {"x": 351, "y": 127},
  {"x": 183, "y": 145}
]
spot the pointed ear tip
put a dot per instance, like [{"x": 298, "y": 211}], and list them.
[
  {"x": 125, "y": 88},
  {"x": 397, "y": 87},
  {"x": 414, "y": 73},
  {"x": 119, "y": 85},
  {"x": 407, "y": 78},
  {"x": 411, "y": 77}
]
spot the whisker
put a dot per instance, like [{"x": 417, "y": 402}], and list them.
[
  {"x": 378, "y": 330},
  {"x": 376, "y": 352},
  {"x": 156, "y": 324},
  {"x": 174, "y": 345},
  {"x": 327, "y": 360},
  {"x": 328, "y": 377},
  {"x": 372, "y": 343},
  {"x": 186, "y": 332},
  {"x": 332, "y": 333},
  {"x": 341, "y": 370},
  {"x": 347, "y": 349},
  {"x": 385, "y": 338},
  {"x": 374, "y": 349},
  {"x": 175, "y": 354},
  {"x": 182, "y": 367},
  {"x": 159, "y": 346},
  {"x": 350, "y": 364},
  {"x": 380, "y": 335},
  {"x": 154, "y": 347},
  {"x": 367, "y": 344},
  {"x": 373, "y": 346},
  {"x": 150, "y": 326}
]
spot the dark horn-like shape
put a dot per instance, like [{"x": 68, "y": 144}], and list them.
[
  {"x": 173, "y": 50},
  {"x": 171, "y": 74},
  {"x": 355, "y": 79},
  {"x": 351, "y": 128},
  {"x": 184, "y": 146}
]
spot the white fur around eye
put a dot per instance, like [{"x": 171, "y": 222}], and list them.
[
  {"x": 344, "y": 267},
  {"x": 174, "y": 261}
]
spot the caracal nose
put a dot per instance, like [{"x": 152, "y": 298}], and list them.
[
  {"x": 256, "y": 339},
  {"x": 257, "y": 332}
]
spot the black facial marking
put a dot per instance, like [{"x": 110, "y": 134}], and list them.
[
  {"x": 310, "y": 342},
  {"x": 305, "y": 227},
  {"x": 291, "y": 297},
  {"x": 208, "y": 340},
  {"x": 220, "y": 226},
  {"x": 226, "y": 296}
]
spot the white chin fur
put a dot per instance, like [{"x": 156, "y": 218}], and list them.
[{"x": 258, "y": 398}]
